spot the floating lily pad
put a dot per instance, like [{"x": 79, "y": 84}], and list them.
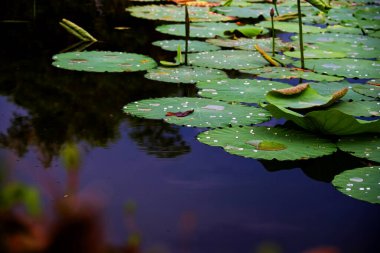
[
  {"x": 352, "y": 68},
  {"x": 361, "y": 183},
  {"x": 103, "y": 61},
  {"x": 301, "y": 97},
  {"x": 343, "y": 29},
  {"x": 359, "y": 108},
  {"x": 327, "y": 88},
  {"x": 352, "y": 39},
  {"x": 375, "y": 82},
  {"x": 368, "y": 90},
  {"x": 202, "y": 30},
  {"x": 240, "y": 90},
  {"x": 311, "y": 53},
  {"x": 206, "y": 112},
  {"x": 291, "y": 27},
  {"x": 175, "y": 13},
  {"x": 368, "y": 12},
  {"x": 194, "y": 45},
  {"x": 330, "y": 121},
  {"x": 351, "y": 50},
  {"x": 184, "y": 74},
  {"x": 290, "y": 73},
  {"x": 363, "y": 146},
  {"x": 253, "y": 11},
  {"x": 268, "y": 143},
  {"x": 227, "y": 59}
]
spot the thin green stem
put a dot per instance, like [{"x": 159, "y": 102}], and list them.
[
  {"x": 273, "y": 45},
  {"x": 300, "y": 35},
  {"x": 187, "y": 31}
]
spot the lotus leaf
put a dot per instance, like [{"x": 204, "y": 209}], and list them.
[
  {"x": 291, "y": 27},
  {"x": 333, "y": 122},
  {"x": 364, "y": 146},
  {"x": 301, "y": 97},
  {"x": 175, "y": 13},
  {"x": 194, "y": 45},
  {"x": 368, "y": 90},
  {"x": 200, "y": 30},
  {"x": 290, "y": 73},
  {"x": 361, "y": 183},
  {"x": 359, "y": 108},
  {"x": 253, "y": 11},
  {"x": 328, "y": 88},
  {"x": 352, "y": 39},
  {"x": 343, "y": 29},
  {"x": 245, "y": 31},
  {"x": 311, "y": 53},
  {"x": 240, "y": 90},
  {"x": 207, "y": 112},
  {"x": 352, "y": 68},
  {"x": 103, "y": 61},
  {"x": 368, "y": 12},
  {"x": 268, "y": 143},
  {"x": 184, "y": 74},
  {"x": 227, "y": 59},
  {"x": 351, "y": 50}
]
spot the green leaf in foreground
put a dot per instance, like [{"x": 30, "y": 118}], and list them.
[
  {"x": 205, "y": 112},
  {"x": 364, "y": 146},
  {"x": 332, "y": 121},
  {"x": 103, "y": 61},
  {"x": 361, "y": 183},
  {"x": 268, "y": 143}
]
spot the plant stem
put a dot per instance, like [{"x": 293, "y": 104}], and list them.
[
  {"x": 300, "y": 33},
  {"x": 187, "y": 31},
  {"x": 273, "y": 45}
]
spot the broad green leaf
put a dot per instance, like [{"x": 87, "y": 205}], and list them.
[
  {"x": 253, "y": 11},
  {"x": 352, "y": 39},
  {"x": 351, "y": 50},
  {"x": 268, "y": 143},
  {"x": 327, "y": 88},
  {"x": 359, "y": 108},
  {"x": 311, "y": 53},
  {"x": 331, "y": 122},
  {"x": 320, "y": 5},
  {"x": 361, "y": 183},
  {"x": 248, "y": 32},
  {"x": 207, "y": 112},
  {"x": 291, "y": 27},
  {"x": 194, "y": 45},
  {"x": 184, "y": 74},
  {"x": 227, "y": 59},
  {"x": 364, "y": 146},
  {"x": 368, "y": 90},
  {"x": 103, "y": 61},
  {"x": 371, "y": 12},
  {"x": 238, "y": 90}
]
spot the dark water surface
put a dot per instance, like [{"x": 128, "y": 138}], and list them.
[{"x": 229, "y": 203}]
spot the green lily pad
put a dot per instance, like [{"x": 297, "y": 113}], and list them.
[
  {"x": 194, "y": 45},
  {"x": 291, "y": 27},
  {"x": 343, "y": 29},
  {"x": 332, "y": 122},
  {"x": 311, "y": 53},
  {"x": 369, "y": 12},
  {"x": 175, "y": 13},
  {"x": 227, "y": 59},
  {"x": 351, "y": 50},
  {"x": 301, "y": 97},
  {"x": 268, "y": 143},
  {"x": 364, "y": 146},
  {"x": 184, "y": 74},
  {"x": 206, "y": 112},
  {"x": 103, "y": 61},
  {"x": 361, "y": 183},
  {"x": 352, "y": 68},
  {"x": 327, "y": 88},
  {"x": 359, "y": 108},
  {"x": 238, "y": 90},
  {"x": 352, "y": 39},
  {"x": 253, "y": 11},
  {"x": 368, "y": 90},
  {"x": 375, "y": 81},
  {"x": 290, "y": 73}
]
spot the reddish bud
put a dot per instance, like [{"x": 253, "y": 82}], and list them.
[{"x": 272, "y": 12}]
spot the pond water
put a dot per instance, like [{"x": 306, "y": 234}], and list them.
[{"x": 189, "y": 197}]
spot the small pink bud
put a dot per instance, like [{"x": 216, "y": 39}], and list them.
[{"x": 272, "y": 12}]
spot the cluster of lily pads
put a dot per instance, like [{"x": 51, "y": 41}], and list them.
[{"x": 341, "y": 44}]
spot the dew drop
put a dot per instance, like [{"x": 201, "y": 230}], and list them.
[{"x": 356, "y": 179}]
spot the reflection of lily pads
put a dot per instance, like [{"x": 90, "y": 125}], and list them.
[
  {"x": 227, "y": 59},
  {"x": 344, "y": 67},
  {"x": 201, "y": 30},
  {"x": 103, "y": 61},
  {"x": 328, "y": 121},
  {"x": 290, "y": 73},
  {"x": 364, "y": 146},
  {"x": 207, "y": 112},
  {"x": 302, "y": 96},
  {"x": 268, "y": 143},
  {"x": 368, "y": 90},
  {"x": 194, "y": 45},
  {"x": 184, "y": 74},
  {"x": 360, "y": 183},
  {"x": 175, "y": 13},
  {"x": 240, "y": 90},
  {"x": 291, "y": 27}
]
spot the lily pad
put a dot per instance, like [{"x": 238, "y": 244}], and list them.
[
  {"x": 327, "y": 88},
  {"x": 238, "y": 90},
  {"x": 361, "y": 183},
  {"x": 364, "y": 146},
  {"x": 227, "y": 59},
  {"x": 343, "y": 29},
  {"x": 350, "y": 50},
  {"x": 359, "y": 108},
  {"x": 368, "y": 12},
  {"x": 175, "y": 13},
  {"x": 352, "y": 39},
  {"x": 206, "y": 112},
  {"x": 194, "y": 45},
  {"x": 253, "y": 11},
  {"x": 352, "y": 68},
  {"x": 291, "y": 27},
  {"x": 184, "y": 74},
  {"x": 290, "y": 73},
  {"x": 268, "y": 143},
  {"x": 332, "y": 122},
  {"x": 202, "y": 30},
  {"x": 311, "y": 53},
  {"x": 103, "y": 61},
  {"x": 368, "y": 90}
]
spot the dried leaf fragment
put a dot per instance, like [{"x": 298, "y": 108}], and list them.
[{"x": 179, "y": 114}]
